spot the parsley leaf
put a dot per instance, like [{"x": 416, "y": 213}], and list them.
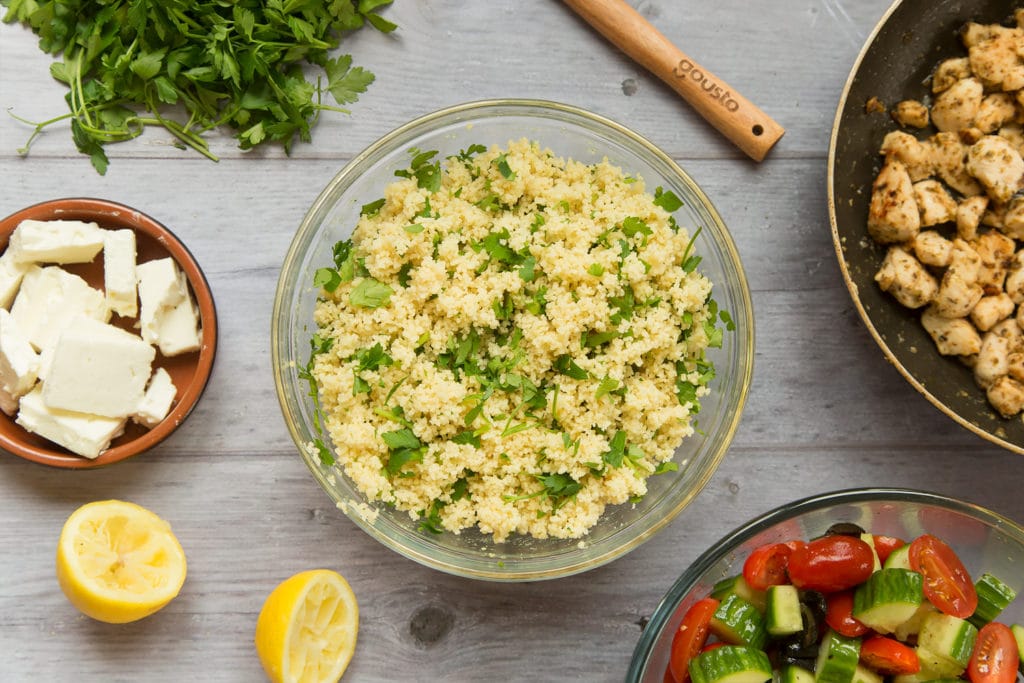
[
  {"x": 404, "y": 448},
  {"x": 667, "y": 200},
  {"x": 503, "y": 168},
  {"x": 565, "y": 365},
  {"x": 370, "y": 293},
  {"x": 426, "y": 171},
  {"x": 232, "y": 64},
  {"x": 344, "y": 81},
  {"x": 616, "y": 453}
]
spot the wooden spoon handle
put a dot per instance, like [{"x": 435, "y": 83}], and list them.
[{"x": 733, "y": 115}]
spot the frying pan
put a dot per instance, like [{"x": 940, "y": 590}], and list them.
[{"x": 895, "y": 64}]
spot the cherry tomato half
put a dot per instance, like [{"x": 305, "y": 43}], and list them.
[
  {"x": 884, "y": 545},
  {"x": 995, "y": 658},
  {"x": 831, "y": 563},
  {"x": 690, "y": 637},
  {"x": 839, "y": 614},
  {"x": 889, "y": 657},
  {"x": 947, "y": 585},
  {"x": 766, "y": 566}
]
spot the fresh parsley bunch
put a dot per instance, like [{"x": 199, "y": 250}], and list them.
[{"x": 236, "y": 63}]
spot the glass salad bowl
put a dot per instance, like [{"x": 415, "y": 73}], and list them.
[
  {"x": 569, "y": 133},
  {"x": 984, "y": 541}
]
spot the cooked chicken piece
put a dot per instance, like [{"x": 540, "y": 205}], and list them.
[
  {"x": 1013, "y": 218},
  {"x": 1016, "y": 362},
  {"x": 936, "y": 205},
  {"x": 965, "y": 260},
  {"x": 914, "y": 154},
  {"x": 968, "y": 216},
  {"x": 911, "y": 113},
  {"x": 949, "y": 72},
  {"x": 995, "y": 60},
  {"x": 997, "y": 165},
  {"x": 1009, "y": 330},
  {"x": 1006, "y": 395},
  {"x": 970, "y": 135},
  {"x": 932, "y": 249},
  {"x": 893, "y": 216},
  {"x": 991, "y": 310},
  {"x": 973, "y": 33},
  {"x": 949, "y": 156},
  {"x": 906, "y": 279},
  {"x": 996, "y": 251},
  {"x": 1014, "y": 283},
  {"x": 1013, "y": 132},
  {"x": 956, "y": 296},
  {"x": 1019, "y": 318},
  {"x": 956, "y": 107},
  {"x": 993, "y": 359},
  {"x": 993, "y": 216},
  {"x": 952, "y": 336},
  {"x": 996, "y": 110}
]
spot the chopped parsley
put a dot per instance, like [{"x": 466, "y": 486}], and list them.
[
  {"x": 424, "y": 169},
  {"x": 507, "y": 389},
  {"x": 370, "y": 293}
]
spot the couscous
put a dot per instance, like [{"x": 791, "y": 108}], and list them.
[{"x": 512, "y": 341}]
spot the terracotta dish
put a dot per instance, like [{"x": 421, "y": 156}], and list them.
[{"x": 189, "y": 371}]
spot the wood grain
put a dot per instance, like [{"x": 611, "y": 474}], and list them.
[
  {"x": 736, "y": 117},
  {"x": 825, "y": 410}
]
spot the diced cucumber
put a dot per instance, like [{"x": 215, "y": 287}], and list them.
[
  {"x": 912, "y": 626},
  {"x": 791, "y": 673},
  {"x": 899, "y": 558},
  {"x": 993, "y": 597},
  {"x": 737, "y": 585},
  {"x": 862, "y": 674},
  {"x": 731, "y": 664},
  {"x": 870, "y": 540},
  {"x": 1018, "y": 634},
  {"x": 738, "y": 622},
  {"x": 838, "y": 657},
  {"x": 782, "y": 615},
  {"x": 888, "y": 598},
  {"x": 944, "y": 644}
]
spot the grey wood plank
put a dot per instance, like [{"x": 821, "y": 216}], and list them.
[{"x": 825, "y": 410}]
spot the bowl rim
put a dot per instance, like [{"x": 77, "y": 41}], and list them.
[
  {"x": 727, "y": 244},
  {"x": 668, "y": 604},
  {"x": 837, "y": 243},
  {"x": 96, "y": 209}
]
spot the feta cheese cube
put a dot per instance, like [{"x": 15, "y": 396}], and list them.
[
  {"x": 55, "y": 241},
  {"x": 161, "y": 284},
  {"x": 177, "y": 328},
  {"x": 98, "y": 368},
  {"x": 119, "y": 278},
  {"x": 49, "y": 298},
  {"x": 19, "y": 362},
  {"x": 156, "y": 403},
  {"x": 81, "y": 433},
  {"x": 8, "y": 403},
  {"x": 11, "y": 273}
]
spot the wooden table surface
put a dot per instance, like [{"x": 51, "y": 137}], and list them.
[{"x": 825, "y": 411}]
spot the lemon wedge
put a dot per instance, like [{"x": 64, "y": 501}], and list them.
[
  {"x": 306, "y": 631},
  {"x": 118, "y": 562}
]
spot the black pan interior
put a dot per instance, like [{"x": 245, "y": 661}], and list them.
[{"x": 896, "y": 65}]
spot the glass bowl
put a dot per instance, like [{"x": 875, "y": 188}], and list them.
[
  {"x": 984, "y": 540},
  {"x": 569, "y": 133}
]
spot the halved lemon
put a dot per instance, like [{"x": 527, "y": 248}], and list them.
[
  {"x": 118, "y": 562},
  {"x": 306, "y": 631}
]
